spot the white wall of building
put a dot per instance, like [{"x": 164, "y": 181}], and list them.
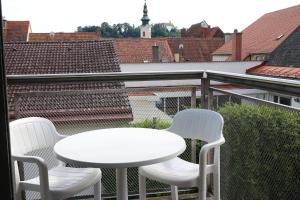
[
  {"x": 220, "y": 58},
  {"x": 231, "y": 67},
  {"x": 145, "y": 31}
]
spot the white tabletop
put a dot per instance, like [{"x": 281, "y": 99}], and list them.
[{"x": 119, "y": 147}]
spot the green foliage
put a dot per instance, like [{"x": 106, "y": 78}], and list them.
[
  {"x": 89, "y": 29},
  {"x": 158, "y": 31},
  {"x": 114, "y": 31},
  {"x": 261, "y": 156},
  {"x": 148, "y": 123},
  {"x": 124, "y": 30}
]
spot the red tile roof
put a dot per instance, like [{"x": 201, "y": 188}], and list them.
[
  {"x": 139, "y": 50},
  {"x": 266, "y": 33},
  {"x": 16, "y": 31},
  {"x": 198, "y": 31},
  {"x": 54, "y": 37},
  {"x": 195, "y": 49},
  {"x": 61, "y": 102},
  {"x": 275, "y": 71}
]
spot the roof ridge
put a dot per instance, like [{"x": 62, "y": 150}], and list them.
[
  {"x": 62, "y": 32},
  {"x": 60, "y": 42},
  {"x": 282, "y": 10}
]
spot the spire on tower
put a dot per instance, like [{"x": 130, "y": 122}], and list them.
[{"x": 145, "y": 18}]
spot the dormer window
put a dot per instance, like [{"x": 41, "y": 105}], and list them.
[{"x": 280, "y": 36}]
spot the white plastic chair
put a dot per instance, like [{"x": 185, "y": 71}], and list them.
[
  {"x": 59, "y": 182},
  {"x": 205, "y": 125}
]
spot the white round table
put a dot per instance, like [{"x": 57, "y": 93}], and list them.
[{"x": 119, "y": 148}]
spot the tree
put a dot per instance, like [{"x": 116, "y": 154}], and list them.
[
  {"x": 125, "y": 30},
  {"x": 160, "y": 31},
  {"x": 106, "y": 30},
  {"x": 89, "y": 29}
]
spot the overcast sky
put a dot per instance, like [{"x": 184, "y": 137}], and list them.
[{"x": 67, "y": 15}]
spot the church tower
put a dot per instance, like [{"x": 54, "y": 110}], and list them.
[{"x": 145, "y": 28}]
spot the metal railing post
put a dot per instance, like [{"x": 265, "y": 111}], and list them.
[
  {"x": 193, "y": 97},
  {"x": 194, "y": 142},
  {"x": 205, "y": 83},
  {"x": 210, "y": 99},
  {"x": 206, "y": 103}
]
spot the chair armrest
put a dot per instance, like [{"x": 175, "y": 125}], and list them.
[
  {"x": 42, "y": 167},
  {"x": 205, "y": 148},
  {"x": 60, "y": 136}
]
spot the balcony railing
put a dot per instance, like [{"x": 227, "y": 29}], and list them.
[{"x": 260, "y": 159}]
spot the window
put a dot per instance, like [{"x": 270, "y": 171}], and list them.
[
  {"x": 285, "y": 101},
  {"x": 279, "y": 36},
  {"x": 144, "y": 34},
  {"x": 276, "y": 99},
  {"x": 282, "y": 100}
]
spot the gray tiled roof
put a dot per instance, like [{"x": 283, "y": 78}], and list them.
[
  {"x": 60, "y": 57},
  {"x": 288, "y": 53},
  {"x": 77, "y": 101},
  {"x": 284, "y": 61}
]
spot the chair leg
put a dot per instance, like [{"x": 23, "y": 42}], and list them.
[
  {"x": 202, "y": 187},
  {"x": 142, "y": 187},
  {"x": 46, "y": 196},
  {"x": 174, "y": 192},
  {"x": 18, "y": 195},
  {"x": 97, "y": 191},
  {"x": 216, "y": 185}
]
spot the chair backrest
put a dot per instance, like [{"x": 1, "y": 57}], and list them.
[
  {"x": 30, "y": 134},
  {"x": 202, "y": 124}
]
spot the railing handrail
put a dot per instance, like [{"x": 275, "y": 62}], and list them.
[
  {"x": 285, "y": 86},
  {"x": 113, "y": 76},
  {"x": 250, "y": 98}
]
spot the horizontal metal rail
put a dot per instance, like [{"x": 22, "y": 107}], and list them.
[
  {"x": 283, "y": 86},
  {"x": 254, "y": 99},
  {"x": 116, "y": 76},
  {"x": 290, "y": 87}
]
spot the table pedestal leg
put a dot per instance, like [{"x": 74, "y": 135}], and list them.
[{"x": 122, "y": 189}]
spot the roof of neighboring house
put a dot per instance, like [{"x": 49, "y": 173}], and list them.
[
  {"x": 276, "y": 71},
  {"x": 54, "y": 37},
  {"x": 198, "y": 31},
  {"x": 139, "y": 50},
  {"x": 284, "y": 62},
  {"x": 267, "y": 33},
  {"x": 287, "y": 54},
  {"x": 16, "y": 31},
  {"x": 216, "y": 32},
  {"x": 61, "y": 102},
  {"x": 166, "y": 24},
  {"x": 60, "y": 57},
  {"x": 195, "y": 49}
]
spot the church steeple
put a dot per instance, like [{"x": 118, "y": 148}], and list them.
[
  {"x": 145, "y": 28},
  {"x": 145, "y": 18}
]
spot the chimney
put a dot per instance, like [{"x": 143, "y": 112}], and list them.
[
  {"x": 236, "y": 46},
  {"x": 155, "y": 54}
]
